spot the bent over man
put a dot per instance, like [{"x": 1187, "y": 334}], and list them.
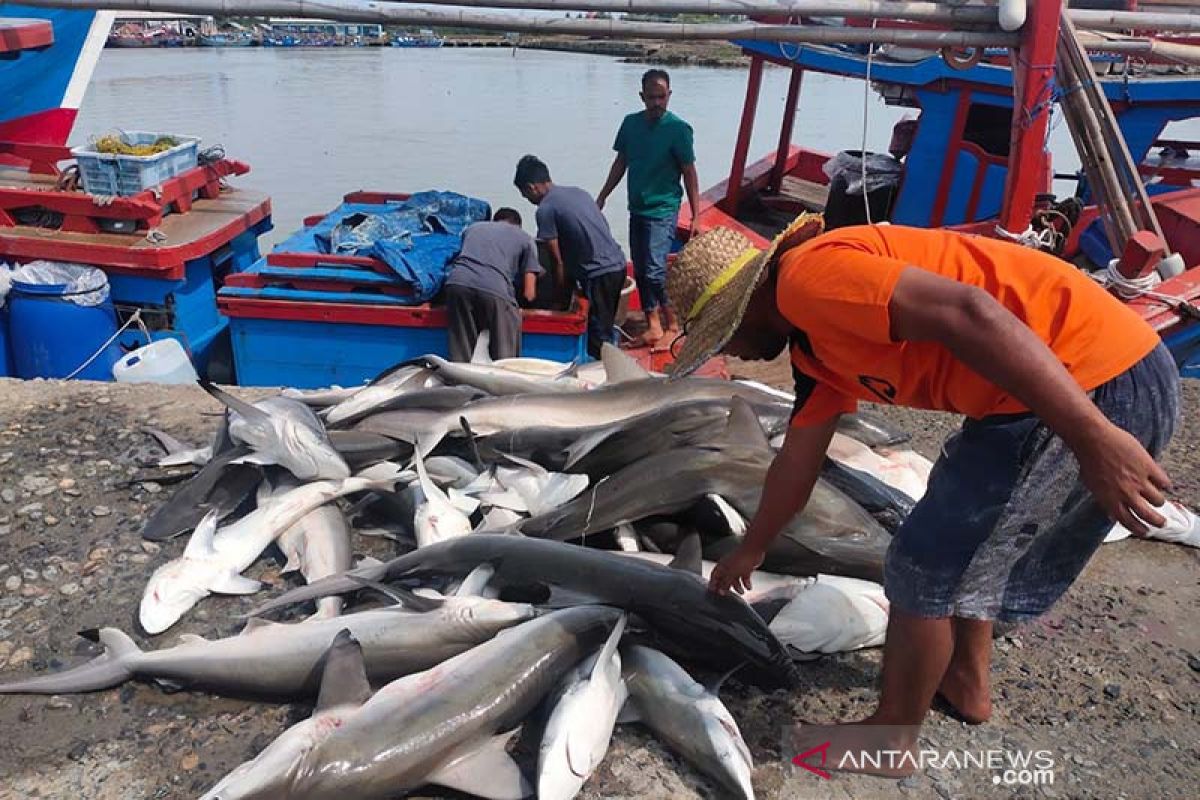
[{"x": 1069, "y": 397}]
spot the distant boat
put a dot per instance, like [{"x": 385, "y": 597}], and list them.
[
  {"x": 281, "y": 41},
  {"x": 422, "y": 39},
  {"x": 226, "y": 40}
]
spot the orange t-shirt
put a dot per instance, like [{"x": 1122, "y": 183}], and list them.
[{"x": 835, "y": 290}]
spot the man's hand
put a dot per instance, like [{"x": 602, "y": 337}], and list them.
[
  {"x": 734, "y": 570},
  {"x": 1123, "y": 478},
  {"x": 694, "y": 226}
]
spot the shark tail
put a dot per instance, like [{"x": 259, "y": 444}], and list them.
[{"x": 112, "y": 668}]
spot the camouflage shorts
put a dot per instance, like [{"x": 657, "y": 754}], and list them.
[{"x": 1005, "y": 526}]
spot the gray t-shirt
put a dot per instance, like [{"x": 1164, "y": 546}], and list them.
[
  {"x": 587, "y": 245},
  {"x": 493, "y": 254}
]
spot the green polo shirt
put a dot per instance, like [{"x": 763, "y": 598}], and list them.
[{"x": 656, "y": 154}]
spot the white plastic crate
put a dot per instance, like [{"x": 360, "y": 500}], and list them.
[{"x": 115, "y": 174}]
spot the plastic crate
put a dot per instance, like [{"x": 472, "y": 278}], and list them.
[{"x": 121, "y": 175}]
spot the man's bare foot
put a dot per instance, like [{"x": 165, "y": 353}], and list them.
[
  {"x": 967, "y": 694},
  {"x": 654, "y": 329},
  {"x": 864, "y": 747}
]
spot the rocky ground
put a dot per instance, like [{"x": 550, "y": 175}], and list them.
[{"x": 1107, "y": 683}]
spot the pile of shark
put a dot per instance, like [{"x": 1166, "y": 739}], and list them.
[{"x": 555, "y": 526}]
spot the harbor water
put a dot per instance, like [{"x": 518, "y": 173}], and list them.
[{"x": 317, "y": 123}]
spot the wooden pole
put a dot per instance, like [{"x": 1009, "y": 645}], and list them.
[
  {"x": 741, "y": 150},
  {"x": 786, "y": 128}
]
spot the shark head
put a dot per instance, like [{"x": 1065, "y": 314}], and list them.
[
  {"x": 172, "y": 590},
  {"x": 309, "y": 452},
  {"x": 270, "y": 774},
  {"x": 724, "y": 741}
]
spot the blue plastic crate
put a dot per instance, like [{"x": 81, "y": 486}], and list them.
[{"x": 115, "y": 174}]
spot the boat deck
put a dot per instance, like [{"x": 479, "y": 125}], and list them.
[{"x": 178, "y": 239}]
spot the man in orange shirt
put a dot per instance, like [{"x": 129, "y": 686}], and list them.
[{"x": 1068, "y": 396}]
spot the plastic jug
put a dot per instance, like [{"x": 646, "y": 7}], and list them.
[{"x": 161, "y": 361}]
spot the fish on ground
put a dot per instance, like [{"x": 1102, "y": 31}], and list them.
[
  {"x": 344, "y": 688},
  {"x": 683, "y": 616},
  {"x": 583, "y": 714},
  {"x": 277, "y": 660},
  {"x": 214, "y": 560},
  {"x": 688, "y": 717},
  {"x": 317, "y": 546},
  {"x": 284, "y": 432},
  {"x": 450, "y": 725}
]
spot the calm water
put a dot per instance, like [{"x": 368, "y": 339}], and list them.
[{"x": 315, "y": 124}]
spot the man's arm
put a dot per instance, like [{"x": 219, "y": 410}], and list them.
[
  {"x": 529, "y": 290},
  {"x": 989, "y": 339},
  {"x": 790, "y": 481},
  {"x": 615, "y": 173},
  {"x": 550, "y": 246},
  {"x": 691, "y": 184}
]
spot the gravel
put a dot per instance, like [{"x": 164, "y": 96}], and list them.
[{"x": 1107, "y": 682}]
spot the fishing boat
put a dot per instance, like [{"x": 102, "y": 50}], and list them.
[
  {"x": 231, "y": 39},
  {"x": 973, "y": 158},
  {"x": 423, "y": 38}
]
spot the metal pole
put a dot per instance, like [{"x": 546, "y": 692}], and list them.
[
  {"x": 785, "y": 129},
  {"x": 391, "y": 14},
  {"x": 737, "y": 171},
  {"x": 1033, "y": 93}
]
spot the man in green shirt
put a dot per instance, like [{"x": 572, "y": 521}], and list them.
[{"x": 655, "y": 146}]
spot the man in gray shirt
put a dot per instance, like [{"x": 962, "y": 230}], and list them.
[
  {"x": 579, "y": 243},
  {"x": 480, "y": 290}
]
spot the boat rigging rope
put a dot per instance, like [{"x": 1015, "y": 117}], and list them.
[
  {"x": 136, "y": 317},
  {"x": 862, "y": 153}
]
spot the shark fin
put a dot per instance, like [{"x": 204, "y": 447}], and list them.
[
  {"x": 368, "y": 561},
  {"x": 486, "y": 771},
  {"x": 619, "y": 367},
  {"x": 343, "y": 677},
  {"x": 482, "y": 354},
  {"x": 629, "y": 713},
  {"x": 586, "y": 444},
  {"x": 244, "y": 409},
  {"x": 610, "y": 646},
  {"x": 398, "y": 594},
  {"x": 166, "y": 441},
  {"x": 735, "y": 521},
  {"x": 233, "y": 583},
  {"x": 476, "y": 581},
  {"x": 743, "y": 426},
  {"x": 462, "y": 501},
  {"x": 256, "y": 458},
  {"x": 473, "y": 440},
  {"x": 293, "y": 563},
  {"x": 191, "y": 638},
  {"x": 689, "y": 556},
  {"x": 200, "y": 545},
  {"x": 534, "y": 467},
  {"x": 570, "y": 371},
  {"x": 256, "y": 624},
  {"x": 769, "y": 609},
  {"x": 714, "y": 686}
]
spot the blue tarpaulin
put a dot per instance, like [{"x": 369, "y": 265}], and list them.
[{"x": 417, "y": 238}]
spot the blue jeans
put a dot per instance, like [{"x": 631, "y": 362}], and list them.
[{"x": 649, "y": 244}]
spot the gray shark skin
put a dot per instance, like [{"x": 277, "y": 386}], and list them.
[
  {"x": 441, "y": 726},
  {"x": 599, "y": 450},
  {"x": 271, "y": 659},
  {"x": 684, "y": 617},
  {"x": 603, "y": 406},
  {"x": 688, "y": 717}
]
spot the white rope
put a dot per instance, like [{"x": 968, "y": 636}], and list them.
[
  {"x": 135, "y": 318},
  {"x": 866, "y": 118},
  {"x": 1046, "y": 238},
  {"x": 1130, "y": 288}
]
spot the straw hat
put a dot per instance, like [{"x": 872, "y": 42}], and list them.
[{"x": 711, "y": 282}]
